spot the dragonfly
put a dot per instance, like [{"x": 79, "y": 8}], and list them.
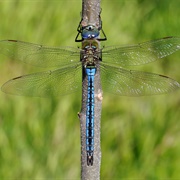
[{"x": 67, "y": 63}]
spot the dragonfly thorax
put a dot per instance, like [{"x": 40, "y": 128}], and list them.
[{"x": 90, "y": 53}]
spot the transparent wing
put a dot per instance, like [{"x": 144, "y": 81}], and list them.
[
  {"x": 38, "y": 55},
  {"x": 45, "y": 84},
  {"x": 141, "y": 53},
  {"x": 135, "y": 83}
]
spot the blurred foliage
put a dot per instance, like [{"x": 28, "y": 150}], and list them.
[{"x": 39, "y": 138}]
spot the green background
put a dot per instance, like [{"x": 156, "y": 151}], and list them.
[{"x": 40, "y": 138}]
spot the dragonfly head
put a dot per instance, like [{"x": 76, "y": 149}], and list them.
[{"x": 90, "y": 32}]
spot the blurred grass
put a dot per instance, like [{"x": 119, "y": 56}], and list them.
[{"x": 39, "y": 138}]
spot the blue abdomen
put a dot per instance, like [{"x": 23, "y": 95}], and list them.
[{"x": 90, "y": 72}]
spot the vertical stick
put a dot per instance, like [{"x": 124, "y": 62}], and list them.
[{"x": 90, "y": 16}]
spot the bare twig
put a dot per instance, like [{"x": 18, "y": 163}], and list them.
[{"x": 90, "y": 16}]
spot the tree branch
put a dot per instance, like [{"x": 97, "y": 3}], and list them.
[{"x": 90, "y": 16}]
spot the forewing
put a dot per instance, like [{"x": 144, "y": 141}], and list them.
[
  {"x": 141, "y": 53},
  {"x": 135, "y": 83},
  {"x": 46, "y": 84},
  {"x": 38, "y": 55}
]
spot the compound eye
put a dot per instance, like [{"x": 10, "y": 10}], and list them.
[{"x": 90, "y": 32}]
